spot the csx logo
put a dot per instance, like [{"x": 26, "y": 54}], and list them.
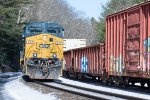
[
  {"x": 30, "y": 42},
  {"x": 59, "y": 43}
]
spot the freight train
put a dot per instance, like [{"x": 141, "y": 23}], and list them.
[
  {"x": 42, "y": 54},
  {"x": 125, "y": 56}
]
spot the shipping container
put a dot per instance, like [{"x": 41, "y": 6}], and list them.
[
  {"x": 87, "y": 60},
  {"x": 74, "y": 43},
  {"x": 128, "y": 42}
]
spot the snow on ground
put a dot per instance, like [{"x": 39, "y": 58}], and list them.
[
  {"x": 101, "y": 88},
  {"x": 18, "y": 91},
  {"x": 10, "y": 74}
]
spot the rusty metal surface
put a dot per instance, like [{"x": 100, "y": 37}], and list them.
[
  {"x": 128, "y": 41},
  {"x": 86, "y": 60}
]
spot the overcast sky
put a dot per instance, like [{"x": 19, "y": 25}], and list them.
[{"x": 89, "y": 8}]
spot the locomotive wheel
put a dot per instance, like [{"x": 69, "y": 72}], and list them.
[{"x": 26, "y": 78}]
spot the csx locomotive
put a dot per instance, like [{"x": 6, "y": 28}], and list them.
[{"x": 42, "y": 54}]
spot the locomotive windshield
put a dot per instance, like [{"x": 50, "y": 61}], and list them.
[
  {"x": 53, "y": 30},
  {"x": 57, "y": 31},
  {"x": 35, "y": 29},
  {"x": 43, "y": 28}
]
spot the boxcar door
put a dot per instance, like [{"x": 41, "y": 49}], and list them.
[{"x": 133, "y": 40}]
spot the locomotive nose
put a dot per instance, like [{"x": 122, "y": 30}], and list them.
[{"x": 45, "y": 46}]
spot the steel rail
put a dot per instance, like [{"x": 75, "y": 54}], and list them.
[
  {"x": 105, "y": 95},
  {"x": 102, "y": 92},
  {"x": 70, "y": 91}
]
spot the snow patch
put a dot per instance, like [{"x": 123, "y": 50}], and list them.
[
  {"x": 18, "y": 91},
  {"x": 101, "y": 88}
]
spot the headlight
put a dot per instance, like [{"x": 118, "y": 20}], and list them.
[
  {"x": 44, "y": 38},
  {"x": 54, "y": 55},
  {"x": 34, "y": 54}
]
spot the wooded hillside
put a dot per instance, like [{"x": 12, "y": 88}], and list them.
[
  {"x": 10, "y": 32},
  {"x": 61, "y": 12}
]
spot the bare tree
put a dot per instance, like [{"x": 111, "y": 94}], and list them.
[{"x": 59, "y": 11}]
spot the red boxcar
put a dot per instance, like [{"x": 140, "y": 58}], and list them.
[
  {"x": 128, "y": 43},
  {"x": 87, "y": 60}
]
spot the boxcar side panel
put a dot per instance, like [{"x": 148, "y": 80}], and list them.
[
  {"x": 87, "y": 60},
  {"x": 128, "y": 42},
  {"x": 115, "y": 43}
]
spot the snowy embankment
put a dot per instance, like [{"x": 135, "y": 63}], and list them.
[
  {"x": 19, "y": 91},
  {"x": 102, "y": 88},
  {"x": 6, "y": 77}
]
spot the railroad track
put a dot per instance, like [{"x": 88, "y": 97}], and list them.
[
  {"x": 86, "y": 92},
  {"x": 130, "y": 88}
]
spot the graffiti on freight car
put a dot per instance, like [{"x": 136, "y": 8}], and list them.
[
  {"x": 147, "y": 45},
  {"x": 146, "y": 53},
  {"x": 84, "y": 64},
  {"x": 116, "y": 64}
]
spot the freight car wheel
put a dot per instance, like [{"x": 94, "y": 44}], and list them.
[
  {"x": 110, "y": 81},
  {"x": 83, "y": 77},
  {"x": 142, "y": 84},
  {"x": 132, "y": 83},
  {"x": 119, "y": 81},
  {"x": 80, "y": 76},
  {"x": 126, "y": 82},
  {"x": 93, "y": 77},
  {"x": 104, "y": 80},
  {"x": 76, "y": 75},
  {"x": 65, "y": 74},
  {"x": 148, "y": 84}
]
